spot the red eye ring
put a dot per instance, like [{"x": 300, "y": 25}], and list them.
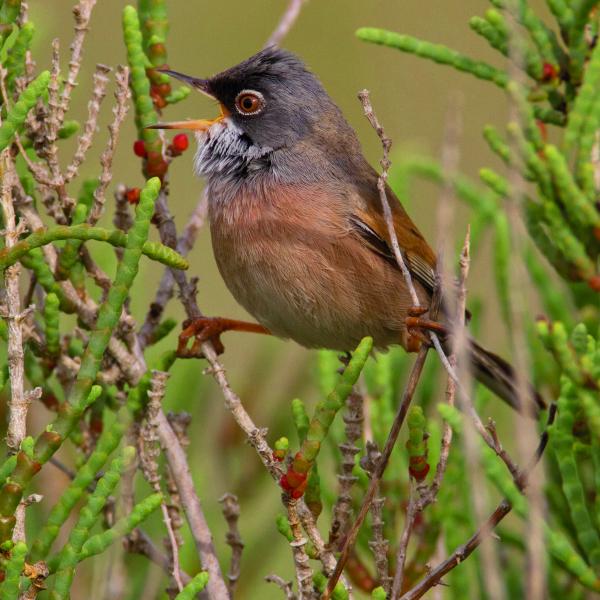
[{"x": 249, "y": 102}]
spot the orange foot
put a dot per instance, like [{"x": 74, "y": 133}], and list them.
[
  {"x": 417, "y": 327},
  {"x": 207, "y": 329}
]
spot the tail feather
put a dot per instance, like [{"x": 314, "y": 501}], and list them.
[{"x": 499, "y": 376}]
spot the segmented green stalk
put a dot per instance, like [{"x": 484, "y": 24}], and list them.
[
  {"x": 518, "y": 95},
  {"x": 82, "y": 393},
  {"x": 284, "y": 528},
  {"x": 178, "y": 95},
  {"x": 553, "y": 296},
  {"x": 535, "y": 169},
  {"x": 379, "y": 593},
  {"x": 140, "y": 86},
  {"x": 417, "y": 443},
  {"x": 436, "y": 52},
  {"x": 86, "y": 474},
  {"x": 69, "y": 256},
  {"x": 496, "y": 143},
  {"x": 85, "y": 232},
  {"x": 555, "y": 338},
  {"x": 562, "y": 442},
  {"x": 567, "y": 243},
  {"x": 325, "y": 412},
  {"x": 51, "y": 318},
  {"x": 514, "y": 46},
  {"x": 312, "y": 496},
  {"x": 563, "y": 13},
  {"x": 300, "y": 417},
  {"x": 15, "y": 62},
  {"x": 9, "y": 11},
  {"x": 196, "y": 585},
  {"x": 162, "y": 330},
  {"x": 320, "y": 583},
  {"x": 28, "y": 463},
  {"x": 100, "y": 542},
  {"x": 581, "y": 111},
  {"x": 154, "y": 27},
  {"x": 69, "y": 555},
  {"x": 578, "y": 44},
  {"x": 14, "y": 120},
  {"x": 10, "y": 587},
  {"x": 541, "y": 36},
  {"x": 579, "y": 209},
  {"x": 36, "y": 262}
]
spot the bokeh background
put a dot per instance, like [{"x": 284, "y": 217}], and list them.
[{"x": 411, "y": 98}]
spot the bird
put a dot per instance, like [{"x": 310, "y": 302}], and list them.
[{"x": 297, "y": 225}]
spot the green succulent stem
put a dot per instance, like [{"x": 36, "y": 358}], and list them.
[
  {"x": 15, "y": 119},
  {"x": 84, "y": 232}
]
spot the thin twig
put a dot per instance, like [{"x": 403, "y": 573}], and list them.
[
  {"x": 140, "y": 542},
  {"x": 342, "y": 509},
  {"x": 185, "y": 243},
  {"x": 409, "y": 522},
  {"x": 379, "y": 545},
  {"x": 100, "y": 81},
  {"x": 191, "y": 504},
  {"x": 301, "y": 560},
  {"x": 122, "y": 95},
  {"x": 285, "y": 23},
  {"x": 386, "y": 143},
  {"x": 82, "y": 12},
  {"x": 149, "y": 453},
  {"x": 231, "y": 512},
  {"x": 18, "y": 404},
  {"x": 285, "y": 586}
]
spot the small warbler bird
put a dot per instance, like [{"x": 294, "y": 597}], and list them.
[{"x": 296, "y": 220}]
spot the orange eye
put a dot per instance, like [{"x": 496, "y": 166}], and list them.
[{"x": 249, "y": 103}]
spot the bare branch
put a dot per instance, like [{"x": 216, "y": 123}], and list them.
[
  {"x": 191, "y": 504},
  {"x": 18, "y": 404},
  {"x": 89, "y": 129},
  {"x": 286, "y": 586},
  {"x": 231, "y": 512},
  {"x": 122, "y": 95},
  {"x": 301, "y": 560},
  {"x": 82, "y": 12},
  {"x": 149, "y": 453}
]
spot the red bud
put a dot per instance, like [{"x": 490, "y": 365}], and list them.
[
  {"x": 139, "y": 148},
  {"x": 133, "y": 195}
]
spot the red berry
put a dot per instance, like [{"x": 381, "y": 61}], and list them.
[
  {"x": 139, "y": 148},
  {"x": 594, "y": 283},
  {"x": 548, "y": 72},
  {"x": 133, "y": 195},
  {"x": 180, "y": 142}
]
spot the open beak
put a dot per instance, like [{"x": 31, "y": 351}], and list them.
[{"x": 202, "y": 86}]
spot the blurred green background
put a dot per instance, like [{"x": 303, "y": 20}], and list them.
[{"x": 411, "y": 99}]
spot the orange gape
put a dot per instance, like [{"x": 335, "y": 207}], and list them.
[{"x": 297, "y": 225}]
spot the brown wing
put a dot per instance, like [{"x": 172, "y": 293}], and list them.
[{"x": 368, "y": 221}]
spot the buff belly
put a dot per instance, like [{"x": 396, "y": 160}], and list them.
[{"x": 318, "y": 287}]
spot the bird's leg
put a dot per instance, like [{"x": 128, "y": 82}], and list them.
[
  {"x": 206, "y": 329},
  {"x": 416, "y": 327}
]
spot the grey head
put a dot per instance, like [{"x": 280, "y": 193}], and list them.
[{"x": 269, "y": 103}]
